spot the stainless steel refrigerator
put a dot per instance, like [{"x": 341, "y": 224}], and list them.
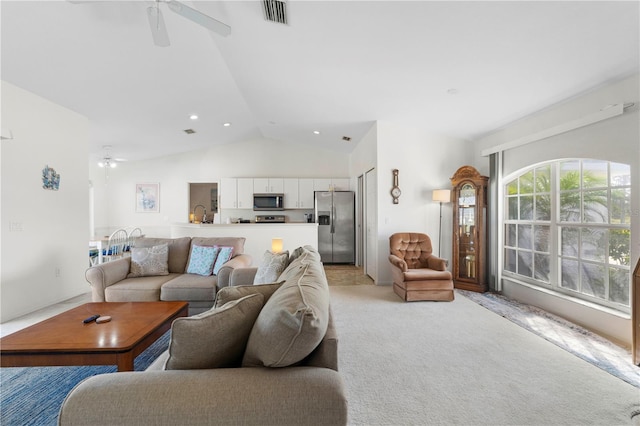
[{"x": 335, "y": 216}]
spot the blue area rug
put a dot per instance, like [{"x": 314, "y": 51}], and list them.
[
  {"x": 34, "y": 395},
  {"x": 571, "y": 337}
]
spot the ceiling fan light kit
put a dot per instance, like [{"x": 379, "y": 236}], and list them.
[{"x": 107, "y": 162}]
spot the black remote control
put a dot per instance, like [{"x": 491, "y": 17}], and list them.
[{"x": 91, "y": 319}]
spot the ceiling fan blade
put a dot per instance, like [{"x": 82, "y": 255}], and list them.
[
  {"x": 199, "y": 18},
  {"x": 158, "y": 28}
]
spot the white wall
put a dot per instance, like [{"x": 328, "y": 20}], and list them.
[
  {"x": 425, "y": 162},
  {"x": 43, "y": 231},
  {"x": 115, "y": 201},
  {"x": 616, "y": 139},
  {"x": 363, "y": 159}
]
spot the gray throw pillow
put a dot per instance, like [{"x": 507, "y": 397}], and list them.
[
  {"x": 271, "y": 267},
  {"x": 149, "y": 261},
  {"x": 213, "y": 339},
  {"x": 231, "y": 293},
  {"x": 294, "y": 320}
]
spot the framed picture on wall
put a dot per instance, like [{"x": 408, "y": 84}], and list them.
[{"x": 147, "y": 197}]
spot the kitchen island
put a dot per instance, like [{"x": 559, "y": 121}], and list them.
[{"x": 258, "y": 235}]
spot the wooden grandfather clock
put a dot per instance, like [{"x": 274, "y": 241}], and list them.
[{"x": 469, "y": 229}]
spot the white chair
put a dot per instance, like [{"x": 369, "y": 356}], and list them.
[
  {"x": 132, "y": 236},
  {"x": 93, "y": 256},
  {"x": 115, "y": 246}
]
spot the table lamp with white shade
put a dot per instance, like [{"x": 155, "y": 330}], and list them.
[{"x": 276, "y": 245}]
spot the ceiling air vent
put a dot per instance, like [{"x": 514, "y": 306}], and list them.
[
  {"x": 275, "y": 11},
  {"x": 189, "y": 131}
]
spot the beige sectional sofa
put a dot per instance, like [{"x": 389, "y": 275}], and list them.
[
  {"x": 112, "y": 281},
  {"x": 279, "y": 369}
]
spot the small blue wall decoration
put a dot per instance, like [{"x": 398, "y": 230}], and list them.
[{"x": 50, "y": 179}]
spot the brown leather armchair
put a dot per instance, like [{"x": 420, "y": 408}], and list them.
[{"x": 417, "y": 273}]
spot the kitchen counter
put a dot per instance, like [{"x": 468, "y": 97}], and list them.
[{"x": 258, "y": 235}]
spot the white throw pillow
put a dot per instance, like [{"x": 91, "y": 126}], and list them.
[
  {"x": 149, "y": 261},
  {"x": 271, "y": 267}
]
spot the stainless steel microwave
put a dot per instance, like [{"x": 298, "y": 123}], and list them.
[{"x": 268, "y": 201}]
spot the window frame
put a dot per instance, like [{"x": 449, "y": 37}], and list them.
[{"x": 511, "y": 245}]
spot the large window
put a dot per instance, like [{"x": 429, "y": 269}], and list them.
[{"x": 567, "y": 227}]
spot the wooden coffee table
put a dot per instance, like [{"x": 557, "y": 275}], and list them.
[{"x": 65, "y": 340}]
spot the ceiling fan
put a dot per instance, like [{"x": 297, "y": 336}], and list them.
[
  {"x": 159, "y": 29},
  {"x": 107, "y": 160}
]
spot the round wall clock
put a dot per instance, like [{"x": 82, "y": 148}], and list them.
[{"x": 395, "y": 190}]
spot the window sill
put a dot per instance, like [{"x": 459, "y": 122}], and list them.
[{"x": 568, "y": 298}]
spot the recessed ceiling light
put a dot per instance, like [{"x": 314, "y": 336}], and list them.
[
  {"x": 452, "y": 91},
  {"x": 227, "y": 124},
  {"x": 316, "y": 132},
  {"x": 193, "y": 116}
]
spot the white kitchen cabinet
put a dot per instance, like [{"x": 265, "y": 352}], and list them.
[
  {"x": 236, "y": 193},
  {"x": 228, "y": 193},
  {"x": 321, "y": 184},
  {"x": 245, "y": 193},
  {"x": 340, "y": 184},
  {"x": 298, "y": 193},
  {"x": 331, "y": 184},
  {"x": 305, "y": 193},
  {"x": 268, "y": 185},
  {"x": 290, "y": 192}
]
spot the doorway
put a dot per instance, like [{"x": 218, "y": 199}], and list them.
[
  {"x": 204, "y": 196},
  {"x": 359, "y": 221},
  {"x": 370, "y": 224}
]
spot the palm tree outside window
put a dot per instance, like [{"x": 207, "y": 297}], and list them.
[{"x": 567, "y": 228}]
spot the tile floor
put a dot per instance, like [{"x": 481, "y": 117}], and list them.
[
  {"x": 346, "y": 275},
  {"x": 42, "y": 314}
]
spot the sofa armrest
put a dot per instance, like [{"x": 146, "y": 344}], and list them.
[
  {"x": 239, "y": 261},
  {"x": 398, "y": 263},
  {"x": 295, "y": 396},
  {"x": 326, "y": 354},
  {"x": 105, "y": 274},
  {"x": 436, "y": 263},
  {"x": 243, "y": 276}
]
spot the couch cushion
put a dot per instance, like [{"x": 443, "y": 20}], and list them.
[
  {"x": 224, "y": 255},
  {"x": 140, "y": 289},
  {"x": 296, "y": 265},
  {"x": 201, "y": 259},
  {"x": 190, "y": 287},
  {"x": 178, "y": 251},
  {"x": 271, "y": 267},
  {"x": 213, "y": 339},
  {"x": 149, "y": 261},
  {"x": 294, "y": 320},
  {"x": 228, "y": 294},
  {"x": 296, "y": 253}
]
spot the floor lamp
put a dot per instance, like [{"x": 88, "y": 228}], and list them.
[{"x": 442, "y": 196}]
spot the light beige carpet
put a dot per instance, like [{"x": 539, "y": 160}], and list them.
[{"x": 429, "y": 363}]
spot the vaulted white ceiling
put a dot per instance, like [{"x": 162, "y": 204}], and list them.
[{"x": 459, "y": 69}]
